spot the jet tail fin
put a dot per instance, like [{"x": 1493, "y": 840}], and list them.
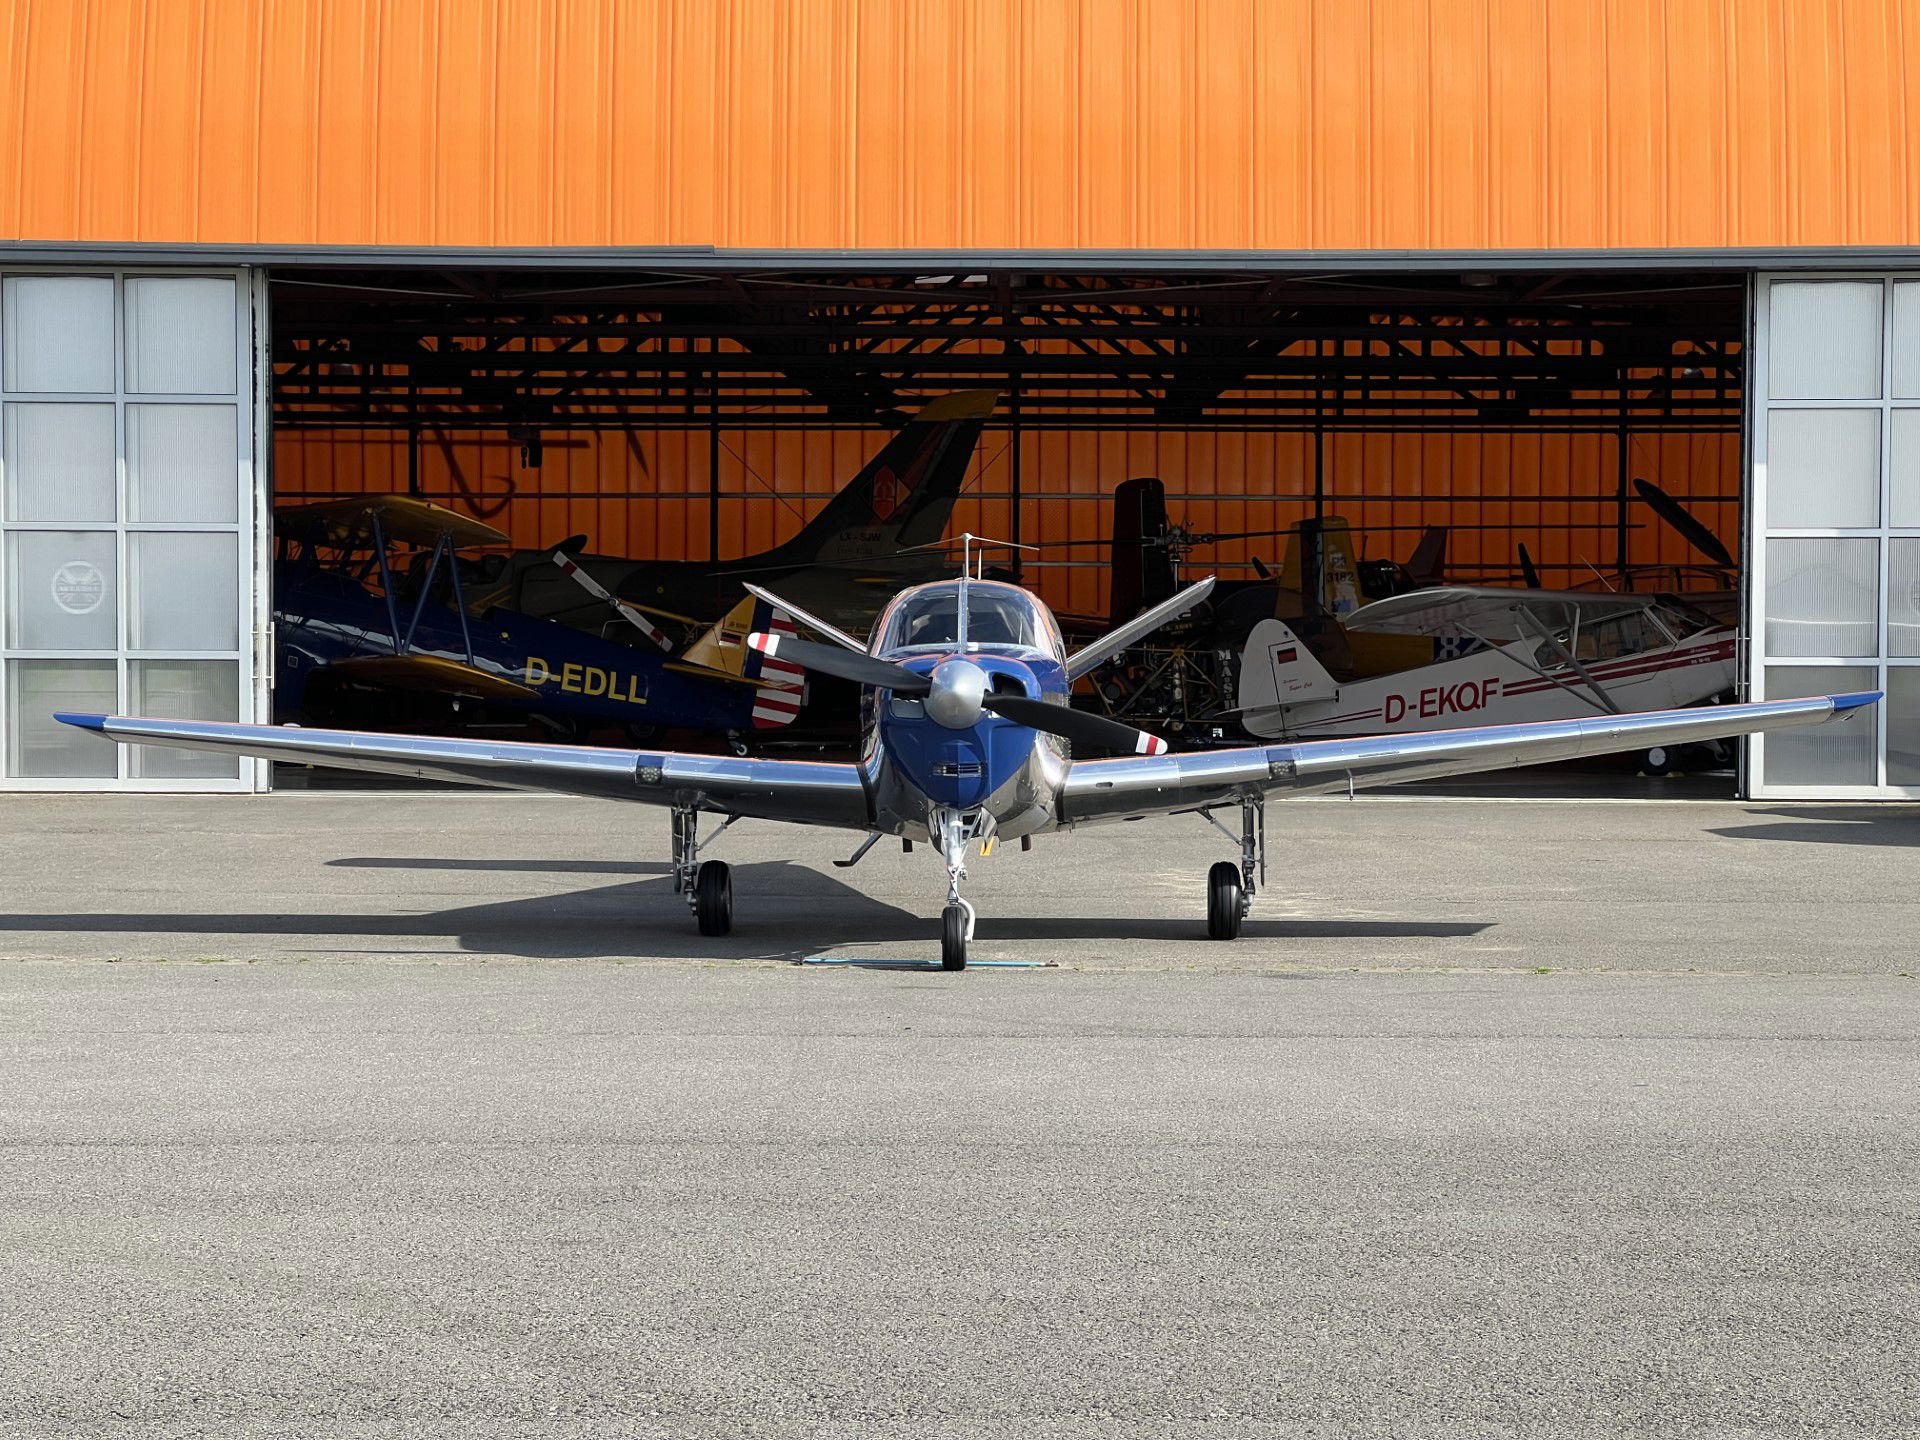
[
  {"x": 905, "y": 494},
  {"x": 1277, "y": 670}
]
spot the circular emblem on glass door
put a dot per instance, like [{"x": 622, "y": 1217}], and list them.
[{"x": 79, "y": 587}]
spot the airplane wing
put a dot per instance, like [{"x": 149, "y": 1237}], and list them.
[
  {"x": 1125, "y": 789},
  {"x": 404, "y": 518},
  {"x": 1471, "y": 608},
  {"x": 430, "y": 675},
  {"x": 806, "y": 792}
]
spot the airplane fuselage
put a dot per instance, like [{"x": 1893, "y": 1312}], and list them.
[
  {"x": 323, "y": 618},
  {"x": 1507, "y": 686}
]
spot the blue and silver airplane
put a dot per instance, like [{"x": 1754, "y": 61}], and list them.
[{"x": 970, "y": 739}]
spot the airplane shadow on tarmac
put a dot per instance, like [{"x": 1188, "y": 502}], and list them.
[
  {"x": 782, "y": 911},
  {"x": 1886, "y": 825},
  {"x": 520, "y": 867}
]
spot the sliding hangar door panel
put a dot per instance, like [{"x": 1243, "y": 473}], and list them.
[
  {"x": 128, "y": 520},
  {"x": 1834, "y": 602}
]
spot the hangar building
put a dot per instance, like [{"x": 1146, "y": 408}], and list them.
[{"x": 664, "y": 274}]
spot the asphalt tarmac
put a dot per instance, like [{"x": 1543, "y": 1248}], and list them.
[{"x": 430, "y": 1115}]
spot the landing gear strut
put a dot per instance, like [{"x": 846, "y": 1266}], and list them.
[
  {"x": 953, "y": 831},
  {"x": 708, "y": 885},
  {"x": 1230, "y": 887}
]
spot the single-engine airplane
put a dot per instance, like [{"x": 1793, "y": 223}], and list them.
[
  {"x": 970, "y": 739},
  {"x": 1501, "y": 656}
]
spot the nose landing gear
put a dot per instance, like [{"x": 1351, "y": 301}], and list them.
[{"x": 953, "y": 831}]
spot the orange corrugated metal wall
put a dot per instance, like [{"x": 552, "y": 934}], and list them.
[
  {"x": 647, "y": 494},
  {"x": 1283, "y": 124}
]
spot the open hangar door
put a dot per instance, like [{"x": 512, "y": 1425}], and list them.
[{"x": 1318, "y": 441}]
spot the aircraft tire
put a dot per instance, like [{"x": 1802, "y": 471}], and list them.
[
  {"x": 953, "y": 938},
  {"x": 1223, "y": 901},
  {"x": 713, "y": 897}
]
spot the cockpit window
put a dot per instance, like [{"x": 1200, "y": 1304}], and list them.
[{"x": 929, "y": 618}]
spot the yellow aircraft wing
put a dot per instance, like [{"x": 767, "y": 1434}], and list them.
[
  {"x": 432, "y": 674},
  {"x": 348, "y": 524}
]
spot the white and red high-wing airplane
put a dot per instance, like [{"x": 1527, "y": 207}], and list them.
[
  {"x": 1530, "y": 655},
  {"x": 970, "y": 738}
]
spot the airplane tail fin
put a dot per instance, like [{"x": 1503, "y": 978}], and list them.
[
  {"x": 1321, "y": 566},
  {"x": 780, "y": 688},
  {"x": 1142, "y": 571},
  {"x": 1428, "y": 563},
  {"x": 1277, "y": 670},
  {"x": 905, "y": 495}
]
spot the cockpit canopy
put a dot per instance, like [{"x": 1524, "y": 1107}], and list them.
[{"x": 928, "y": 618}]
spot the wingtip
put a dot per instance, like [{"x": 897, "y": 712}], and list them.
[
  {"x": 1855, "y": 700},
  {"x": 80, "y": 721},
  {"x": 763, "y": 642}
]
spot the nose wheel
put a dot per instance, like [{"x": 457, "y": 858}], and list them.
[{"x": 956, "y": 924}]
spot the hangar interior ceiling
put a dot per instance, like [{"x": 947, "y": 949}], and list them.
[{"x": 683, "y": 415}]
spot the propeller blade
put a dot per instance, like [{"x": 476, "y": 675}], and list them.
[
  {"x": 1081, "y": 727},
  {"x": 1682, "y": 520},
  {"x": 847, "y": 664},
  {"x": 1527, "y": 572}
]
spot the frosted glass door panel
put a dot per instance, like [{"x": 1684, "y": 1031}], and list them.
[
  {"x": 1903, "y": 597},
  {"x": 58, "y": 333},
  {"x": 1823, "y": 597},
  {"x": 1823, "y": 469},
  {"x": 1837, "y": 753},
  {"x": 1906, "y": 341},
  {"x": 60, "y": 590},
  {"x": 1902, "y": 710},
  {"x": 1903, "y": 467},
  {"x": 180, "y": 335},
  {"x": 59, "y": 463},
  {"x": 40, "y": 747},
  {"x": 1825, "y": 342},
  {"x": 183, "y": 463},
  {"x": 185, "y": 591},
  {"x": 185, "y": 690}
]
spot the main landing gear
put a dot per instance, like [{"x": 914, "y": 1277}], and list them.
[
  {"x": 708, "y": 884},
  {"x": 953, "y": 831},
  {"x": 1231, "y": 887}
]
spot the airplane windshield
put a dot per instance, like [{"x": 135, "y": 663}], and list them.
[{"x": 996, "y": 615}]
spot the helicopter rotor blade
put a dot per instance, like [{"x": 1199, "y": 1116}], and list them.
[{"x": 1683, "y": 521}]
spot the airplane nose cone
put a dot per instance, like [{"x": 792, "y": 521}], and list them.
[{"x": 958, "y": 686}]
